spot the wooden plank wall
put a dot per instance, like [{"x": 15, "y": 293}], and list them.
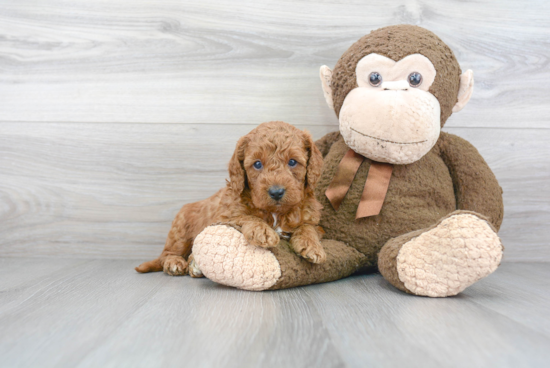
[{"x": 115, "y": 113}]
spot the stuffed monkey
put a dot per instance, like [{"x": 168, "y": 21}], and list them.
[{"x": 399, "y": 196}]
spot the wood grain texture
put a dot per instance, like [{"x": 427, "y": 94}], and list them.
[
  {"x": 101, "y": 313},
  {"x": 112, "y": 190},
  {"x": 244, "y": 61}
]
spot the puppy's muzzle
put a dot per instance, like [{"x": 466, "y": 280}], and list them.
[{"x": 276, "y": 192}]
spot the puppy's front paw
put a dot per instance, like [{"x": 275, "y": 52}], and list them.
[
  {"x": 261, "y": 235},
  {"x": 194, "y": 270},
  {"x": 175, "y": 266},
  {"x": 309, "y": 248}
]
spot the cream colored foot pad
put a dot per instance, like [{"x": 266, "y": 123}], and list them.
[
  {"x": 445, "y": 260},
  {"x": 224, "y": 256}
]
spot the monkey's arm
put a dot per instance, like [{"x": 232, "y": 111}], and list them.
[
  {"x": 224, "y": 255},
  {"x": 476, "y": 187},
  {"x": 326, "y": 142}
]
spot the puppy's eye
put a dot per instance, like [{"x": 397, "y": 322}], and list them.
[
  {"x": 415, "y": 79},
  {"x": 258, "y": 165},
  {"x": 375, "y": 79},
  {"x": 292, "y": 162}
]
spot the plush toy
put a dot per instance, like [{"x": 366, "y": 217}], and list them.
[{"x": 399, "y": 195}]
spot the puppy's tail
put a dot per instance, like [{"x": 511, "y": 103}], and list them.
[{"x": 152, "y": 266}]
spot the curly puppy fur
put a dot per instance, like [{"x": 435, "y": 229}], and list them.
[{"x": 245, "y": 201}]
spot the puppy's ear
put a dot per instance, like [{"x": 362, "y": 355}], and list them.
[
  {"x": 237, "y": 174},
  {"x": 315, "y": 161}
]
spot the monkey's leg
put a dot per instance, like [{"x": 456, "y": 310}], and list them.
[
  {"x": 444, "y": 259},
  {"x": 223, "y": 255}
]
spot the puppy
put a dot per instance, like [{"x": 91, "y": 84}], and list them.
[{"x": 270, "y": 195}]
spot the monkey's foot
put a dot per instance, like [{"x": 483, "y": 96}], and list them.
[
  {"x": 224, "y": 256},
  {"x": 444, "y": 259}
]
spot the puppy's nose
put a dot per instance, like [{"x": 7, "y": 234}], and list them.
[{"x": 276, "y": 192}]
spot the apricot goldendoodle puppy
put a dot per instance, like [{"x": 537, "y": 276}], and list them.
[{"x": 269, "y": 195}]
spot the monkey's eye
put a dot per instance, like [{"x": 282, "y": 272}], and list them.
[
  {"x": 258, "y": 165},
  {"x": 415, "y": 79},
  {"x": 292, "y": 162},
  {"x": 375, "y": 79}
]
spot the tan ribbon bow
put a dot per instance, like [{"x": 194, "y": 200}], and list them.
[{"x": 376, "y": 186}]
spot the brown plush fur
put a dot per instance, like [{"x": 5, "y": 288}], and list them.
[
  {"x": 419, "y": 194},
  {"x": 451, "y": 176},
  {"x": 341, "y": 262},
  {"x": 245, "y": 202}
]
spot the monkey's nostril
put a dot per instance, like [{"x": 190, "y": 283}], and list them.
[{"x": 276, "y": 192}]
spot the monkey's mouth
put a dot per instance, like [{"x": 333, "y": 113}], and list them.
[{"x": 386, "y": 140}]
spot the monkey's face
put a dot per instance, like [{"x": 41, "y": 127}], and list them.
[
  {"x": 393, "y": 89},
  {"x": 391, "y": 117}
]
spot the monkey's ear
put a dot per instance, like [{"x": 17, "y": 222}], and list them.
[
  {"x": 465, "y": 90},
  {"x": 326, "y": 80},
  {"x": 237, "y": 174}
]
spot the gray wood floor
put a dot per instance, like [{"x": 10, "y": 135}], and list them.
[{"x": 101, "y": 313}]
